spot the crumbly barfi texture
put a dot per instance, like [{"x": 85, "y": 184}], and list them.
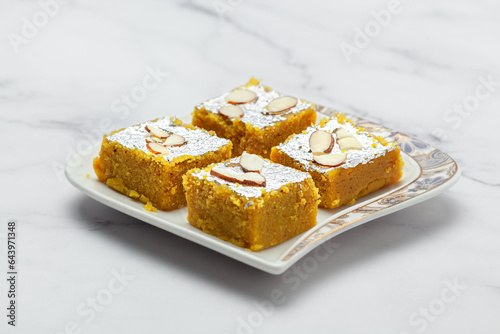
[
  {"x": 256, "y": 132},
  {"x": 128, "y": 166},
  {"x": 376, "y": 165},
  {"x": 252, "y": 217}
]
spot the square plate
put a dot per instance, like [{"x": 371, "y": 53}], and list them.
[{"x": 427, "y": 172}]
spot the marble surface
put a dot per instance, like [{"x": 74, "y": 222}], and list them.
[{"x": 73, "y": 70}]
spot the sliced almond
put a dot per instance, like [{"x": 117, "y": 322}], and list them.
[
  {"x": 157, "y": 148},
  {"x": 281, "y": 104},
  {"x": 321, "y": 142},
  {"x": 156, "y": 132},
  {"x": 249, "y": 179},
  {"x": 349, "y": 143},
  {"x": 343, "y": 133},
  {"x": 251, "y": 162},
  {"x": 174, "y": 140},
  {"x": 153, "y": 139},
  {"x": 231, "y": 164},
  {"x": 330, "y": 160},
  {"x": 254, "y": 179},
  {"x": 231, "y": 111},
  {"x": 241, "y": 96}
]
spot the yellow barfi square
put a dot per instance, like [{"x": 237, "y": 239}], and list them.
[
  {"x": 147, "y": 161},
  {"x": 251, "y": 216},
  {"x": 254, "y": 117},
  {"x": 345, "y": 161}
]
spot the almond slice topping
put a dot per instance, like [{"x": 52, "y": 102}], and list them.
[
  {"x": 281, "y": 104},
  {"x": 249, "y": 179},
  {"x": 253, "y": 179},
  {"x": 231, "y": 111},
  {"x": 241, "y": 96},
  {"x": 321, "y": 142},
  {"x": 156, "y": 132},
  {"x": 343, "y": 133},
  {"x": 330, "y": 160},
  {"x": 157, "y": 148},
  {"x": 231, "y": 164},
  {"x": 349, "y": 143},
  {"x": 174, "y": 140},
  {"x": 153, "y": 139},
  {"x": 251, "y": 162}
]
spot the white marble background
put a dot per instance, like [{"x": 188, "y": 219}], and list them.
[{"x": 431, "y": 268}]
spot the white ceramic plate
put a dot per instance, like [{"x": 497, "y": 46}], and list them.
[{"x": 427, "y": 172}]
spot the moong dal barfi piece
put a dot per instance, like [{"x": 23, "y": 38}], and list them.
[
  {"x": 147, "y": 161},
  {"x": 345, "y": 161},
  {"x": 251, "y": 202},
  {"x": 254, "y": 117}
]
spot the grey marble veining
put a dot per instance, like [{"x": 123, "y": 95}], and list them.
[{"x": 84, "y": 72}]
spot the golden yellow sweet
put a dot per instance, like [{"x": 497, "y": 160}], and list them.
[
  {"x": 249, "y": 216},
  {"x": 127, "y": 164},
  {"x": 376, "y": 165},
  {"x": 258, "y": 128}
]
